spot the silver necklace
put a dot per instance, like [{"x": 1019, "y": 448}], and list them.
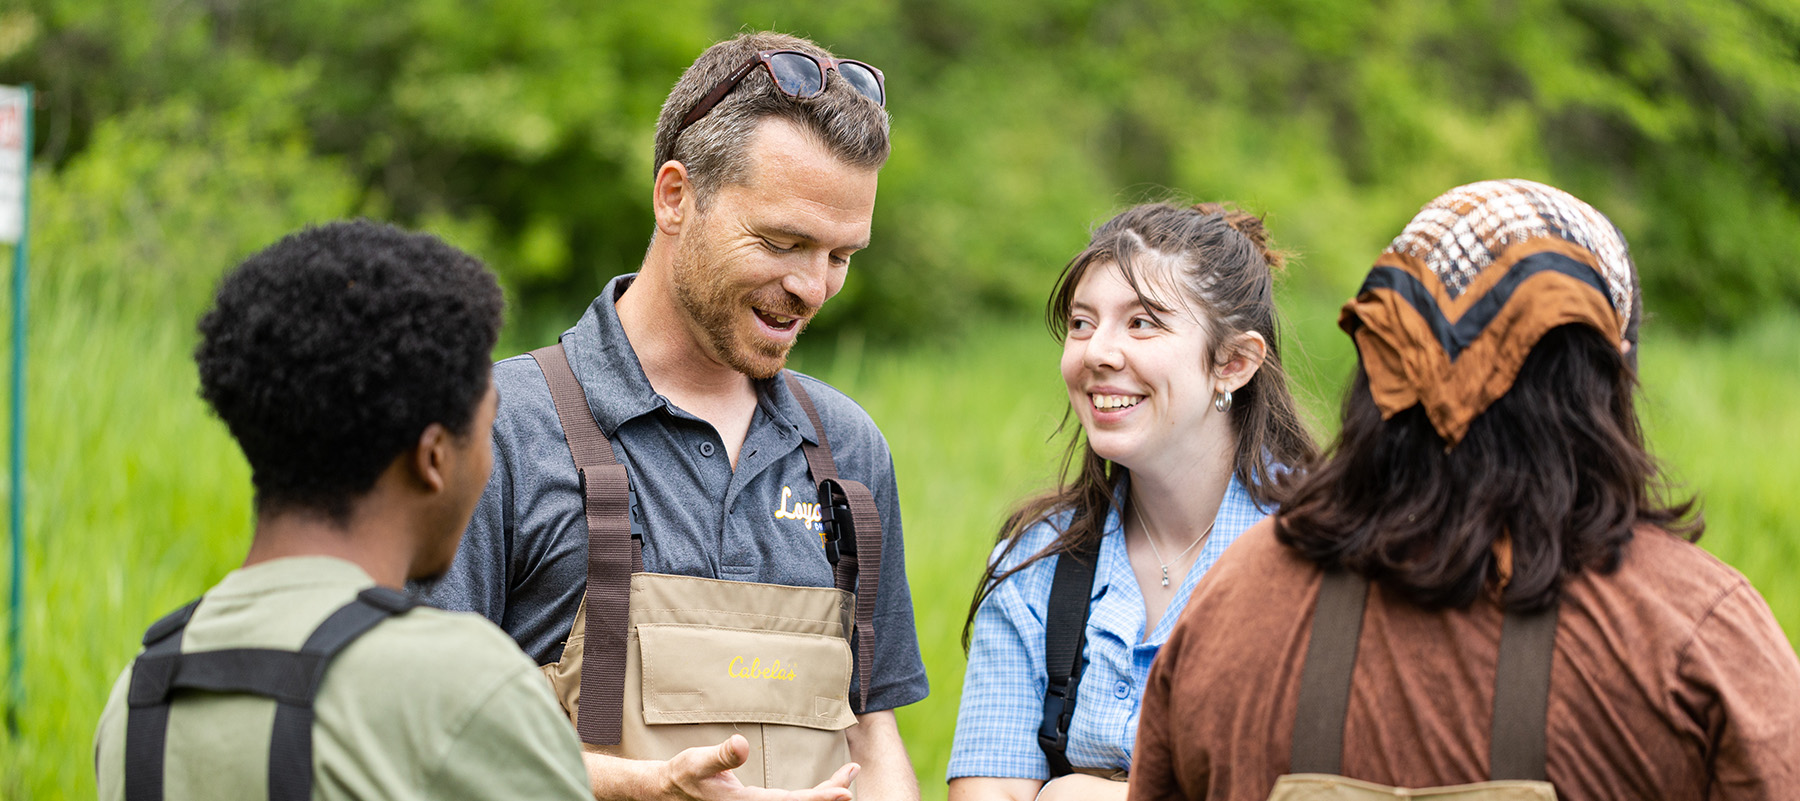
[{"x": 1150, "y": 537}]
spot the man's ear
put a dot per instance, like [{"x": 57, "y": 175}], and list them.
[
  {"x": 431, "y": 457},
  {"x": 1244, "y": 355},
  {"x": 672, "y": 197}
]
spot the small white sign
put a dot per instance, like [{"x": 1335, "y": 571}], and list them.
[{"x": 12, "y": 163}]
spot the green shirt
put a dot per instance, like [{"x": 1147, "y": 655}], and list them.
[{"x": 428, "y": 704}]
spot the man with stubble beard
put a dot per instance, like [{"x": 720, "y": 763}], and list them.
[{"x": 767, "y": 154}]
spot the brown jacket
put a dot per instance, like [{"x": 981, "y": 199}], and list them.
[{"x": 1670, "y": 680}]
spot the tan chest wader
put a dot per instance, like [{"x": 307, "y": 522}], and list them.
[
  {"x": 658, "y": 663},
  {"x": 1521, "y": 705}
]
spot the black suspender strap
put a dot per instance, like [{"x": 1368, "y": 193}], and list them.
[
  {"x": 612, "y": 554},
  {"x": 291, "y": 678},
  {"x": 1518, "y": 748},
  {"x": 1065, "y": 636},
  {"x": 852, "y": 527},
  {"x": 1325, "y": 679}
]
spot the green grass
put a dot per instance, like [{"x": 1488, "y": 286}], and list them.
[{"x": 137, "y": 499}]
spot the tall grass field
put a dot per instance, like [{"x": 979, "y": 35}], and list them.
[{"x": 138, "y": 500}]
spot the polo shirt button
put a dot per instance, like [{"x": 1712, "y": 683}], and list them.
[
  {"x": 706, "y": 449},
  {"x": 1121, "y": 690}
]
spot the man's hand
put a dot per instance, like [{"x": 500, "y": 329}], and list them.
[{"x": 702, "y": 774}]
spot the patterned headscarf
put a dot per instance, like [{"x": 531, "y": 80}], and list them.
[{"x": 1456, "y": 302}]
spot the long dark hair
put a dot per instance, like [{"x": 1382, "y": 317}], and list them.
[
  {"x": 1558, "y": 462},
  {"x": 1224, "y": 266}
]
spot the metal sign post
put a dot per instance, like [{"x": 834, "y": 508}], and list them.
[{"x": 15, "y": 225}]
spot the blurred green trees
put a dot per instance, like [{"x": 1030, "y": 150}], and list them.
[{"x": 522, "y": 130}]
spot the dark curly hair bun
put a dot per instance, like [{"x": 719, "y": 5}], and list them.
[
  {"x": 1251, "y": 226},
  {"x": 328, "y": 353}
]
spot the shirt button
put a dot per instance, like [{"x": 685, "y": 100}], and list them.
[
  {"x": 706, "y": 449},
  {"x": 1121, "y": 690}
]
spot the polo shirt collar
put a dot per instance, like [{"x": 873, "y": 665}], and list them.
[{"x": 613, "y": 379}]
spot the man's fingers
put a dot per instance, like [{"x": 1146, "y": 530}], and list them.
[
  {"x": 841, "y": 778},
  {"x": 730, "y": 754},
  {"x": 820, "y": 793},
  {"x": 701, "y": 762}
]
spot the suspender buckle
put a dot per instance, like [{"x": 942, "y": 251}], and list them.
[
  {"x": 836, "y": 519},
  {"x": 635, "y": 516},
  {"x": 1053, "y": 732}
]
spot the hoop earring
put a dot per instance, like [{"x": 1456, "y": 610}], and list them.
[{"x": 1222, "y": 400}]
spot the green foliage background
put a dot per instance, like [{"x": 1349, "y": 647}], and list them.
[
  {"x": 523, "y": 128},
  {"x": 176, "y": 137}
]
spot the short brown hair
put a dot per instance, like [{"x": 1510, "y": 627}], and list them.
[{"x": 854, "y": 128}]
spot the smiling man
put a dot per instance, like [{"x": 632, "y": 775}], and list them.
[{"x": 767, "y": 154}]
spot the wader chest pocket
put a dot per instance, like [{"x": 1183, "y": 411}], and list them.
[{"x": 696, "y": 673}]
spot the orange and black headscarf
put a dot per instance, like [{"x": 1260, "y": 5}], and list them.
[{"x": 1454, "y": 305}]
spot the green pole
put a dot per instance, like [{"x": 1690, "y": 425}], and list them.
[{"x": 15, "y": 644}]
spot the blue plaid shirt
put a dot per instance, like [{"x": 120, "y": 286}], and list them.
[{"x": 1003, "y": 688}]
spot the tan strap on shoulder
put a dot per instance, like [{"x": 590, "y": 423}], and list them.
[
  {"x": 612, "y": 556},
  {"x": 864, "y": 550}
]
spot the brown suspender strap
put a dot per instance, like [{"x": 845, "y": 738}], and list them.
[
  {"x": 865, "y": 561},
  {"x": 1518, "y": 749},
  {"x": 612, "y": 556},
  {"x": 1325, "y": 680},
  {"x": 1522, "y": 697},
  {"x": 818, "y": 457}
]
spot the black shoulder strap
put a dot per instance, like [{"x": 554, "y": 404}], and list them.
[
  {"x": 291, "y": 678},
  {"x": 852, "y": 527},
  {"x": 612, "y": 554},
  {"x": 1518, "y": 748},
  {"x": 1065, "y": 637},
  {"x": 147, "y": 725}
]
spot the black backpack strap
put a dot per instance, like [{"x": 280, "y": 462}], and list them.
[
  {"x": 612, "y": 553},
  {"x": 147, "y": 725},
  {"x": 1518, "y": 745},
  {"x": 1325, "y": 678},
  {"x": 291, "y": 678},
  {"x": 1065, "y": 637},
  {"x": 852, "y": 527},
  {"x": 290, "y": 744}
]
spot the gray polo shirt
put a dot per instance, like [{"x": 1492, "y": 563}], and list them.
[{"x": 523, "y": 564}]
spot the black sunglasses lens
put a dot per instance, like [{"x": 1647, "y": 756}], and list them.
[
  {"x": 796, "y": 74},
  {"x": 863, "y": 80}
]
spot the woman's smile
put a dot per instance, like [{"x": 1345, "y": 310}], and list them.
[{"x": 1135, "y": 372}]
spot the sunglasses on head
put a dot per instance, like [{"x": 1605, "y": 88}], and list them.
[{"x": 796, "y": 74}]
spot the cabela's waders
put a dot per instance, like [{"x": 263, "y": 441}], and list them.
[{"x": 672, "y": 662}]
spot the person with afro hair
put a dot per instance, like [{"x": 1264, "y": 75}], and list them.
[{"x": 351, "y": 363}]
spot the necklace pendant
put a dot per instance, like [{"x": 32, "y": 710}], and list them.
[{"x": 1165, "y": 575}]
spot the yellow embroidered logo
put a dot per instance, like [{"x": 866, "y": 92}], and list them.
[
  {"x": 740, "y": 668},
  {"x": 791, "y": 509}
]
